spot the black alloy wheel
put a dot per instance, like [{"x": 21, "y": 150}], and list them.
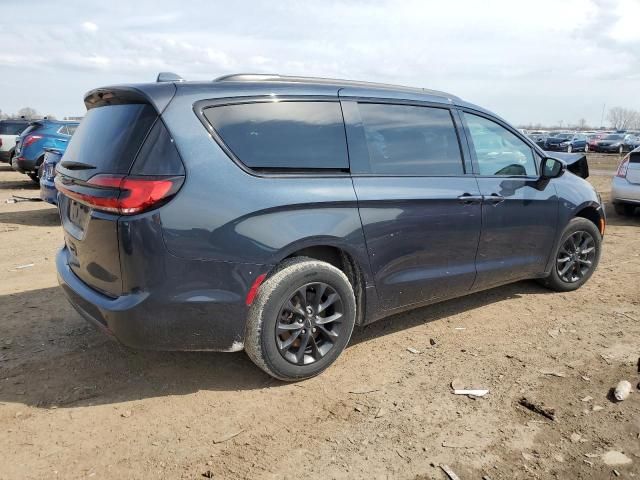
[
  {"x": 576, "y": 257},
  {"x": 309, "y": 323}
]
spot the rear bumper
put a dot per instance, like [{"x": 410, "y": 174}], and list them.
[
  {"x": 624, "y": 192},
  {"x": 23, "y": 165},
  {"x": 48, "y": 191},
  {"x": 159, "y": 319}
]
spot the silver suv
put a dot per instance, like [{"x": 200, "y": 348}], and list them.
[{"x": 625, "y": 187}]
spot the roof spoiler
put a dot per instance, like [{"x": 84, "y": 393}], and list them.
[{"x": 169, "y": 77}]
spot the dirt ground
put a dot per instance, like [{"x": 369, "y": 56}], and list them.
[{"x": 74, "y": 404}]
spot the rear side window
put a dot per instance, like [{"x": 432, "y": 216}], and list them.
[
  {"x": 410, "y": 140},
  {"x": 109, "y": 137},
  {"x": 12, "y": 128},
  {"x": 283, "y": 135}
]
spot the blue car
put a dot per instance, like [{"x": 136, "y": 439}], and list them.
[
  {"x": 48, "y": 191},
  {"x": 566, "y": 142},
  {"x": 38, "y": 136},
  {"x": 275, "y": 214}
]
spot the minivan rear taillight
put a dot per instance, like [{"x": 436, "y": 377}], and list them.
[
  {"x": 30, "y": 139},
  {"x": 623, "y": 167},
  {"x": 121, "y": 194}
]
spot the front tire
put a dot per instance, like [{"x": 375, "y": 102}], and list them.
[
  {"x": 569, "y": 149},
  {"x": 301, "y": 319},
  {"x": 576, "y": 257},
  {"x": 586, "y": 148},
  {"x": 621, "y": 150}
]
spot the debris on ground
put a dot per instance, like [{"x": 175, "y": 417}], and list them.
[
  {"x": 614, "y": 458},
  {"x": 588, "y": 398},
  {"x": 16, "y": 199},
  {"x": 380, "y": 413},
  {"x": 228, "y": 437},
  {"x": 432, "y": 342},
  {"x": 575, "y": 437},
  {"x": 622, "y": 391},
  {"x": 208, "y": 474},
  {"x": 597, "y": 408},
  {"x": 126, "y": 414},
  {"x": 450, "y": 473},
  {"x": 538, "y": 408},
  {"x": 413, "y": 350},
  {"x": 553, "y": 373},
  {"x": 471, "y": 393},
  {"x": 21, "y": 267}
]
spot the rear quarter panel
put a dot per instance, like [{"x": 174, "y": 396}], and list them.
[{"x": 225, "y": 214}]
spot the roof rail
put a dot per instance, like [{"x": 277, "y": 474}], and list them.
[
  {"x": 169, "y": 77},
  {"x": 264, "y": 77}
]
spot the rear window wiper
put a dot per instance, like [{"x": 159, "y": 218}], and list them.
[{"x": 76, "y": 165}]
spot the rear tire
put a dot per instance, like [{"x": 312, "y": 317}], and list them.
[
  {"x": 589, "y": 238},
  {"x": 271, "y": 324},
  {"x": 624, "y": 209}
]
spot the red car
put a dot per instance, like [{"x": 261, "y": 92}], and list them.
[{"x": 592, "y": 141}]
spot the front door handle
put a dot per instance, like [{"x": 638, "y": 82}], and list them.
[
  {"x": 494, "y": 199},
  {"x": 468, "y": 199}
]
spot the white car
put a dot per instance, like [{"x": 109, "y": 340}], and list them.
[
  {"x": 9, "y": 130},
  {"x": 625, "y": 187}
]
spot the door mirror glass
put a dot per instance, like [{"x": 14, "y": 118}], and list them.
[{"x": 552, "y": 168}]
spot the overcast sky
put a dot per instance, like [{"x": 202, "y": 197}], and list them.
[{"x": 529, "y": 61}]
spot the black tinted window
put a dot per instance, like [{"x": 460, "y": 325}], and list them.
[
  {"x": 410, "y": 140},
  {"x": 283, "y": 135},
  {"x": 9, "y": 128},
  {"x": 109, "y": 137}
]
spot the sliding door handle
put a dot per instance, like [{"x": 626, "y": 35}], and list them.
[
  {"x": 494, "y": 199},
  {"x": 468, "y": 199}
]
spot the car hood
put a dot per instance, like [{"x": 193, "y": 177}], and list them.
[{"x": 576, "y": 162}]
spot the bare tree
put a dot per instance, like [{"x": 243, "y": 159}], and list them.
[
  {"x": 27, "y": 112},
  {"x": 582, "y": 124},
  {"x": 623, "y": 118}
]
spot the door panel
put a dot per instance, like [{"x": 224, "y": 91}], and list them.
[
  {"x": 519, "y": 212},
  {"x": 421, "y": 238},
  {"x": 518, "y": 230}
]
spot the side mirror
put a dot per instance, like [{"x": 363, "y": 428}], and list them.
[{"x": 552, "y": 168}]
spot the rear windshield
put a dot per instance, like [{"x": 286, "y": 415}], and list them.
[
  {"x": 109, "y": 137},
  {"x": 12, "y": 128},
  {"x": 283, "y": 135}
]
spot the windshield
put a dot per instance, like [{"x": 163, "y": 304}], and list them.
[{"x": 613, "y": 137}]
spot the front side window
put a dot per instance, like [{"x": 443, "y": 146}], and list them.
[
  {"x": 286, "y": 135},
  {"x": 410, "y": 140},
  {"x": 498, "y": 151}
]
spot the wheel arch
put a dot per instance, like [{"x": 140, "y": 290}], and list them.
[
  {"x": 592, "y": 213},
  {"x": 342, "y": 259}
]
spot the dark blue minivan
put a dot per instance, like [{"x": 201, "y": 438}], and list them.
[{"x": 273, "y": 213}]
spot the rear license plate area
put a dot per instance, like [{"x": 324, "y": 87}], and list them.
[{"x": 78, "y": 214}]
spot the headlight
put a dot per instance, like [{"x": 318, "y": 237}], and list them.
[{"x": 564, "y": 144}]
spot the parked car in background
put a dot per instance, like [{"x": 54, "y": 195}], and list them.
[
  {"x": 39, "y": 135},
  {"x": 610, "y": 143},
  {"x": 538, "y": 138},
  {"x": 9, "y": 130},
  {"x": 566, "y": 142},
  {"x": 625, "y": 186},
  {"x": 47, "y": 174},
  {"x": 631, "y": 142},
  {"x": 352, "y": 201}
]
